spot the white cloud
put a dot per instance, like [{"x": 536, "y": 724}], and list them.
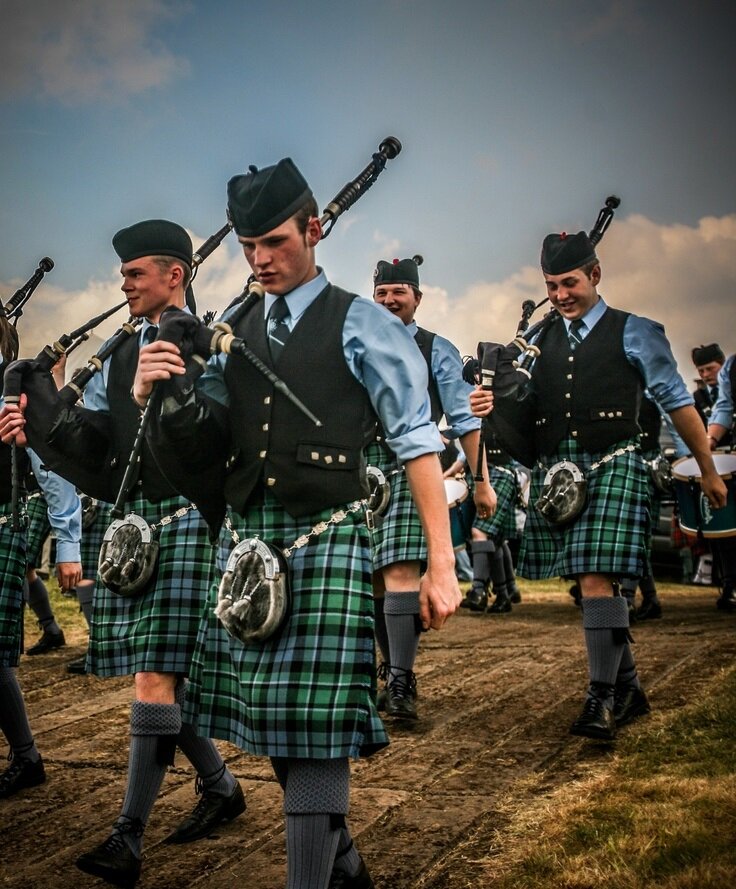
[
  {"x": 77, "y": 51},
  {"x": 680, "y": 275}
]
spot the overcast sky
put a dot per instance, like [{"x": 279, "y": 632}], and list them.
[{"x": 516, "y": 119}]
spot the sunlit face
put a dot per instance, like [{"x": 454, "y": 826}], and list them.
[
  {"x": 149, "y": 288},
  {"x": 283, "y": 259},
  {"x": 400, "y": 299},
  {"x": 573, "y": 294},
  {"x": 709, "y": 372}
]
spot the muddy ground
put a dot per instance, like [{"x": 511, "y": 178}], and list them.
[{"x": 497, "y": 694}]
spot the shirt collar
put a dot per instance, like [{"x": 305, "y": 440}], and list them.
[
  {"x": 299, "y": 299},
  {"x": 592, "y": 317}
]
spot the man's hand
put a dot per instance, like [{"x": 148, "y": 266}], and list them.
[
  {"x": 158, "y": 361},
  {"x": 439, "y": 596},
  {"x": 481, "y": 402},
  {"x": 12, "y": 422},
  {"x": 68, "y": 574},
  {"x": 485, "y": 499},
  {"x": 714, "y": 489}
]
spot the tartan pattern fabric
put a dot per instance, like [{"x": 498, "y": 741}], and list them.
[
  {"x": 156, "y": 631},
  {"x": 13, "y": 561},
  {"x": 502, "y": 524},
  {"x": 610, "y": 536},
  {"x": 398, "y": 535},
  {"x": 92, "y": 541},
  {"x": 308, "y": 691},
  {"x": 39, "y": 528}
]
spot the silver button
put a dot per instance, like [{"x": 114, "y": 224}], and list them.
[
  {"x": 328, "y": 459},
  {"x": 267, "y": 399},
  {"x": 265, "y": 427},
  {"x": 569, "y": 376},
  {"x": 341, "y": 458},
  {"x": 570, "y": 358},
  {"x": 262, "y": 454},
  {"x": 574, "y": 433},
  {"x": 315, "y": 455},
  {"x": 270, "y": 482},
  {"x": 568, "y": 415},
  {"x": 568, "y": 395}
]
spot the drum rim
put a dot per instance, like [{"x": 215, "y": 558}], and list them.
[
  {"x": 730, "y": 473},
  {"x": 464, "y": 487}
]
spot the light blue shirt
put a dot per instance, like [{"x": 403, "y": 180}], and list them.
[
  {"x": 647, "y": 348},
  {"x": 722, "y": 412},
  {"x": 454, "y": 392},
  {"x": 382, "y": 356},
  {"x": 64, "y": 510}
]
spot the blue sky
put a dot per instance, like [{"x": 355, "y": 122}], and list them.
[{"x": 516, "y": 119}]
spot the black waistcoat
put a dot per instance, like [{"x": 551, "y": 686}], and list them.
[
  {"x": 591, "y": 394},
  {"x": 307, "y": 468},
  {"x": 650, "y": 423},
  {"x": 125, "y": 419},
  {"x": 425, "y": 340}
]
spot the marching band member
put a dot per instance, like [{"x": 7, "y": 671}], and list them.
[
  {"x": 151, "y": 635},
  {"x": 304, "y": 696},
  {"x": 26, "y": 767},
  {"x": 587, "y": 385},
  {"x": 397, "y": 542}
]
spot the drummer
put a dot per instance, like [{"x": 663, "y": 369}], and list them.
[
  {"x": 721, "y": 432},
  {"x": 399, "y": 550}
]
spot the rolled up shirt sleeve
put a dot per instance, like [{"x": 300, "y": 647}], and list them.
[
  {"x": 447, "y": 368},
  {"x": 648, "y": 349},
  {"x": 384, "y": 358}
]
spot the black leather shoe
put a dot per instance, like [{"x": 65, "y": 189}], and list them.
[
  {"x": 477, "y": 597},
  {"x": 726, "y": 601},
  {"x": 113, "y": 861},
  {"x": 628, "y": 703},
  {"x": 501, "y": 605},
  {"x": 596, "y": 721},
  {"x": 650, "y": 609},
  {"x": 47, "y": 642},
  {"x": 362, "y": 880},
  {"x": 401, "y": 696},
  {"x": 21, "y": 773},
  {"x": 210, "y": 811},
  {"x": 77, "y": 666},
  {"x": 515, "y": 596}
]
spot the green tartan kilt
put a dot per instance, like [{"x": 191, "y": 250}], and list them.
[
  {"x": 156, "y": 632},
  {"x": 91, "y": 542},
  {"x": 502, "y": 524},
  {"x": 398, "y": 535},
  {"x": 610, "y": 536},
  {"x": 309, "y": 691},
  {"x": 13, "y": 560},
  {"x": 39, "y": 527}
]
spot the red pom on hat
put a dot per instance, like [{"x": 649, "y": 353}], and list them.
[{"x": 563, "y": 236}]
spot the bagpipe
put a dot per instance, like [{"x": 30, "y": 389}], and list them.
[
  {"x": 507, "y": 370},
  {"x": 198, "y": 342},
  {"x": 10, "y": 313},
  {"x": 71, "y": 440}
]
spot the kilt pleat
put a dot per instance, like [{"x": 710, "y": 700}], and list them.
[
  {"x": 39, "y": 527},
  {"x": 308, "y": 691},
  {"x": 502, "y": 524},
  {"x": 611, "y": 534},
  {"x": 398, "y": 535},
  {"x": 156, "y": 631},
  {"x": 13, "y": 561}
]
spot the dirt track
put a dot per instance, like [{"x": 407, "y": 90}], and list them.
[{"x": 497, "y": 696}]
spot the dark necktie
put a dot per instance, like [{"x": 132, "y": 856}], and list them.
[
  {"x": 149, "y": 335},
  {"x": 278, "y": 329},
  {"x": 714, "y": 394},
  {"x": 573, "y": 334}
]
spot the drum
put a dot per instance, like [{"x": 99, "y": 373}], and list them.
[
  {"x": 462, "y": 511},
  {"x": 695, "y": 513}
]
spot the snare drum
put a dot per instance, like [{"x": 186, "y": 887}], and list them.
[
  {"x": 694, "y": 510},
  {"x": 462, "y": 511}
]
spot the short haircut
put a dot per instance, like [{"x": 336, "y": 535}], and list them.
[
  {"x": 164, "y": 263},
  {"x": 305, "y": 213}
]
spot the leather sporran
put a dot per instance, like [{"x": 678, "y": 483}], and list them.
[
  {"x": 254, "y": 597},
  {"x": 660, "y": 475},
  {"x": 564, "y": 494},
  {"x": 128, "y": 556}
]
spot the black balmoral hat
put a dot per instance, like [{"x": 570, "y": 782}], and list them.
[
  {"x": 705, "y": 354},
  {"x": 400, "y": 271},
  {"x": 153, "y": 237},
  {"x": 564, "y": 253},
  {"x": 260, "y": 200}
]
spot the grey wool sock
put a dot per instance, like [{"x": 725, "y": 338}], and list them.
[
  {"x": 13, "y": 717},
  {"x": 403, "y": 630},
  {"x": 604, "y": 619}
]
